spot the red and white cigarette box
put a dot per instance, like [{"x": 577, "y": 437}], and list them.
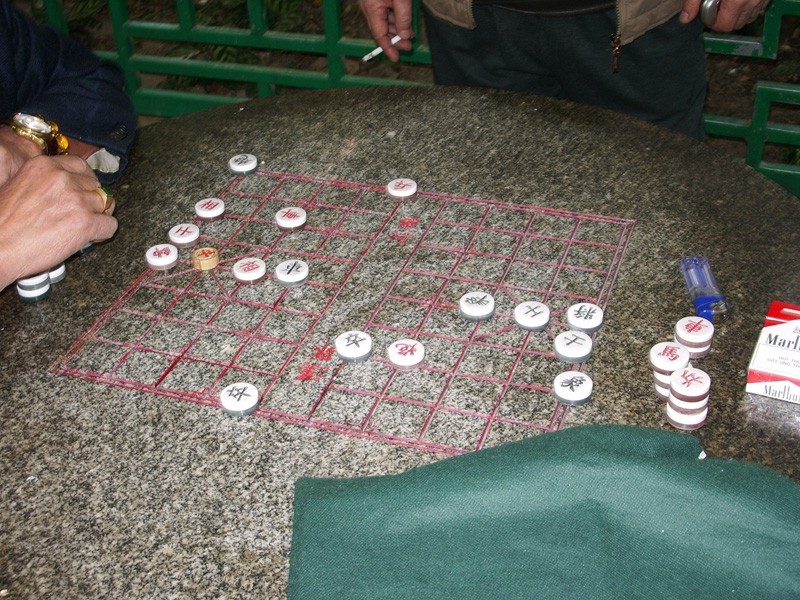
[{"x": 775, "y": 366}]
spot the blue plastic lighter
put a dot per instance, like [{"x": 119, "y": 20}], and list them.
[{"x": 703, "y": 289}]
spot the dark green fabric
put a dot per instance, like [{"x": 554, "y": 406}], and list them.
[{"x": 587, "y": 512}]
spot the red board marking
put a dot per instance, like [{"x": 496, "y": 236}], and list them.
[{"x": 393, "y": 270}]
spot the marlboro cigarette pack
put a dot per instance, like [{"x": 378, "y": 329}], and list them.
[{"x": 775, "y": 366}]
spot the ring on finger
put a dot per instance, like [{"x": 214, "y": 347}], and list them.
[{"x": 108, "y": 199}]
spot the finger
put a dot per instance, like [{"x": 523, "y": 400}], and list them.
[
  {"x": 73, "y": 164},
  {"x": 734, "y": 15},
  {"x": 376, "y": 13},
  {"x": 389, "y": 49},
  {"x": 402, "y": 19},
  {"x": 689, "y": 11},
  {"x": 104, "y": 227}
]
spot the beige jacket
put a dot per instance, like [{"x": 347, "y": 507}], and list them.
[{"x": 634, "y": 17}]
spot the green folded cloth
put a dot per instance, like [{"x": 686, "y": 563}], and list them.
[{"x": 587, "y": 512}]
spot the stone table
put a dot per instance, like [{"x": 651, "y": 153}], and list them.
[{"x": 112, "y": 492}]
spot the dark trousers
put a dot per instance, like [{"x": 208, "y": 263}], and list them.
[{"x": 661, "y": 79}]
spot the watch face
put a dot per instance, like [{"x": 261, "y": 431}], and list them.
[{"x": 33, "y": 123}]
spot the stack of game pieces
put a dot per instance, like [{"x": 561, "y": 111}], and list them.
[
  {"x": 696, "y": 334},
  {"x": 687, "y": 407},
  {"x": 58, "y": 273},
  {"x": 665, "y": 359},
  {"x": 31, "y": 289},
  {"x": 37, "y": 287}
]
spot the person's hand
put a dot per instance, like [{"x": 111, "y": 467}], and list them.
[
  {"x": 15, "y": 151},
  {"x": 732, "y": 15},
  {"x": 48, "y": 211},
  {"x": 387, "y": 18}
]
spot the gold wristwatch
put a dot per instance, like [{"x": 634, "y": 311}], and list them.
[{"x": 37, "y": 129}]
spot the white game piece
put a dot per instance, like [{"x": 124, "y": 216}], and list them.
[
  {"x": 476, "y": 306},
  {"x": 686, "y": 422},
  {"x": 290, "y": 218},
  {"x": 209, "y": 209},
  {"x": 243, "y": 164},
  {"x": 249, "y": 270},
  {"x": 354, "y": 346},
  {"x": 585, "y": 316},
  {"x": 573, "y": 388},
  {"x": 688, "y": 408},
  {"x": 184, "y": 235},
  {"x": 239, "y": 399},
  {"x": 162, "y": 257},
  {"x": 405, "y": 355},
  {"x": 401, "y": 189},
  {"x": 58, "y": 273},
  {"x": 533, "y": 316},
  {"x": 666, "y": 357},
  {"x": 34, "y": 281},
  {"x": 31, "y": 289},
  {"x": 33, "y": 295},
  {"x": 662, "y": 379},
  {"x": 573, "y": 346},
  {"x": 661, "y": 392},
  {"x": 696, "y": 333},
  {"x": 292, "y": 273},
  {"x": 690, "y": 385}
]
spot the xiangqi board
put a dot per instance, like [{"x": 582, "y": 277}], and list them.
[{"x": 395, "y": 269}]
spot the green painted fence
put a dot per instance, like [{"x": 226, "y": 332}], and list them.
[{"x": 242, "y": 55}]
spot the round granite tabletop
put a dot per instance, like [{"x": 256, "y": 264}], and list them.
[{"x": 117, "y": 487}]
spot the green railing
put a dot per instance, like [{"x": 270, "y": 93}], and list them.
[
  {"x": 329, "y": 44},
  {"x": 759, "y": 131},
  {"x": 333, "y": 60}
]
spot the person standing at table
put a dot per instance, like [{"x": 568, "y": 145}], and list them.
[
  {"x": 641, "y": 57},
  {"x": 66, "y": 127}
]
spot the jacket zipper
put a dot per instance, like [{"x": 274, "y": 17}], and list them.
[{"x": 616, "y": 41}]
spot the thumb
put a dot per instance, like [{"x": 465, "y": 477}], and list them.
[{"x": 689, "y": 10}]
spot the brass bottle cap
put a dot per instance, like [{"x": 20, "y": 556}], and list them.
[{"x": 205, "y": 259}]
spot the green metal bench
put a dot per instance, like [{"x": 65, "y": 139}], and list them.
[{"x": 335, "y": 48}]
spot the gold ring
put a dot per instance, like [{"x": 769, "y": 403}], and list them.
[{"x": 108, "y": 199}]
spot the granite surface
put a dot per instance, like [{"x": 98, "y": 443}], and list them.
[{"x": 115, "y": 493}]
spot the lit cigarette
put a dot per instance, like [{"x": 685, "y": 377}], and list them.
[{"x": 378, "y": 50}]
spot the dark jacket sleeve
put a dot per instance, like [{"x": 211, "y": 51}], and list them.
[{"x": 44, "y": 72}]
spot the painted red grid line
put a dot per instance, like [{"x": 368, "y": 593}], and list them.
[{"x": 385, "y": 407}]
